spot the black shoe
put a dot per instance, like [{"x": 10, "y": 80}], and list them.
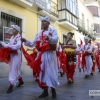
[
  {"x": 86, "y": 76},
  {"x": 20, "y": 83},
  {"x": 44, "y": 94},
  {"x": 54, "y": 93},
  {"x": 69, "y": 82},
  {"x": 91, "y": 74},
  {"x": 36, "y": 80},
  {"x": 99, "y": 70},
  {"x": 79, "y": 69},
  {"x": 72, "y": 82},
  {"x": 61, "y": 74},
  {"x": 10, "y": 89}
]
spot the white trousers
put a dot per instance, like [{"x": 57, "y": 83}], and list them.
[
  {"x": 50, "y": 69},
  {"x": 89, "y": 65},
  {"x": 15, "y": 68}
]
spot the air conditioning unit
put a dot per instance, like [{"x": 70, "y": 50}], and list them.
[{"x": 7, "y": 33}]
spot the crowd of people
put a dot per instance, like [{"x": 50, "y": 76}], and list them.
[{"x": 49, "y": 57}]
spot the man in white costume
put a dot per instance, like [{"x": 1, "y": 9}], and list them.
[
  {"x": 78, "y": 57},
  {"x": 15, "y": 58},
  {"x": 59, "y": 51},
  {"x": 49, "y": 59},
  {"x": 86, "y": 57}
]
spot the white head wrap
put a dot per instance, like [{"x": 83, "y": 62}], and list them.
[
  {"x": 86, "y": 38},
  {"x": 46, "y": 18},
  {"x": 16, "y": 27}
]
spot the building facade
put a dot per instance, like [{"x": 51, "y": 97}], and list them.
[
  {"x": 85, "y": 23},
  {"x": 26, "y": 13},
  {"x": 65, "y": 16},
  {"x": 94, "y": 7}
]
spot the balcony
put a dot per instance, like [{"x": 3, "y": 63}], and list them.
[
  {"x": 68, "y": 14},
  {"x": 69, "y": 5},
  {"x": 86, "y": 30},
  {"x": 50, "y": 7},
  {"x": 42, "y": 7},
  {"x": 53, "y": 13}
]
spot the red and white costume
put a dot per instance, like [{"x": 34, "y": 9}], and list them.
[
  {"x": 15, "y": 59},
  {"x": 48, "y": 68},
  {"x": 78, "y": 57},
  {"x": 86, "y": 59},
  {"x": 98, "y": 57}
]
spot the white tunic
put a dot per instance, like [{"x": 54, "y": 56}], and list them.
[
  {"x": 59, "y": 49},
  {"x": 78, "y": 50},
  {"x": 88, "y": 59},
  {"x": 15, "y": 59},
  {"x": 49, "y": 60}
]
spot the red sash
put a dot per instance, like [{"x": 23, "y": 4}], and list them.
[
  {"x": 5, "y": 54},
  {"x": 64, "y": 62}
]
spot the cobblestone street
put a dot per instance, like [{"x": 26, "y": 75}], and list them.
[{"x": 30, "y": 90}]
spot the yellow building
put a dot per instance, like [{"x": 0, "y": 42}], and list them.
[{"x": 26, "y": 13}]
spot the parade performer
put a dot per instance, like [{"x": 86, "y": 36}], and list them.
[
  {"x": 14, "y": 59},
  {"x": 94, "y": 61},
  {"x": 78, "y": 57},
  {"x": 98, "y": 56},
  {"x": 71, "y": 57},
  {"x": 58, "y": 52},
  {"x": 86, "y": 57},
  {"x": 61, "y": 60},
  {"x": 46, "y": 41}
]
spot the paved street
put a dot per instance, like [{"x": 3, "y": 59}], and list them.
[{"x": 30, "y": 90}]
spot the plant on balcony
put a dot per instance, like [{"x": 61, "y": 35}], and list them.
[
  {"x": 94, "y": 38},
  {"x": 90, "y": 35},
  {"x": 79, "y": 28},
  {"x": 86, "y": 32}
]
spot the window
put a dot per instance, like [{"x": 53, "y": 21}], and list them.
[
  {"x": 59, "y": 3},
  {"x": 8, "y": 20},
  {"x": 87, "y": 24},
  {"x": 83, "y": 18},
  {"x": 70, "y": 5},
  {"x": 64, "y": 38},
  {"x": 97, "y": 35},
  {"x": 97, "y": 28},
  {"x": 94, "y": 10},
  {"x": 63, "y": 4},
  {"x": 1, "y": 35}
]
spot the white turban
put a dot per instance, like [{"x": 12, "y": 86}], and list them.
[
  {"x": 86, "y": 38},
  {"x": 16, "y": 27},
  {"x": 46, "y": 18}
]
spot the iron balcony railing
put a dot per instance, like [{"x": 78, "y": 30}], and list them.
[{"x": 85, "y": 29}]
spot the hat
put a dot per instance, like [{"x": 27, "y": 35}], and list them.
[
  {"x": 86, "y": 38},
  {"x": 16, "y": 27},
  {"x": 71, "y": 33},
  {"x": 46, "y": 18}
]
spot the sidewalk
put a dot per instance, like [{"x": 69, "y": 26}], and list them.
[{"x": 30, "y": 90}]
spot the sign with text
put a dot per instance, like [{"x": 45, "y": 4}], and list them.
[{"x": 7, "y": 33}]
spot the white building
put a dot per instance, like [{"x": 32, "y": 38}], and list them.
[
  {"x": 85, "y": 22},
  {"x": 94, "y": 7}
]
